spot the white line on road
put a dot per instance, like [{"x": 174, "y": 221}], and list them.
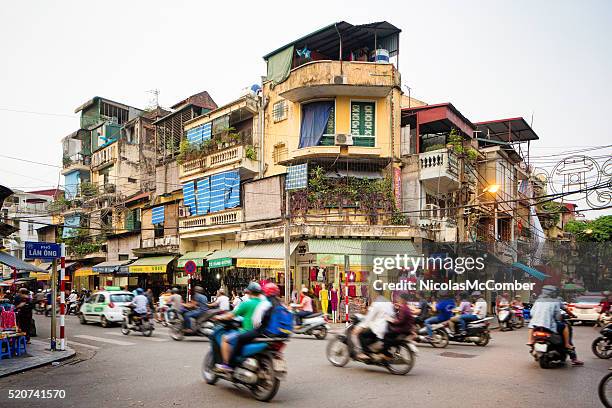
[
  {"x": 142, "y": 337},
  {"x": 103, "y": 340},
  {"x": 71, "y": 342}
]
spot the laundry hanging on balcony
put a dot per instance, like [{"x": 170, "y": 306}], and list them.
[
  {"x": 158, "y": 215},
  {"x": 279, "y": 65},
  {"x": 314, "y": 122}
]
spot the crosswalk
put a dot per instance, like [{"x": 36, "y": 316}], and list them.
[{"x": 115, "y": 338}]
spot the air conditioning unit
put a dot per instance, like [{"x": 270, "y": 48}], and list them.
[
  {"x": 184, "y": 212},
  {"x": 342, "y": 139},
  {"x": 339, "y": 80}
]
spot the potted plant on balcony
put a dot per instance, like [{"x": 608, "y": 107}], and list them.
[
  {"x": 250, "y": 153},
  {"x": 66, "y": 161}
]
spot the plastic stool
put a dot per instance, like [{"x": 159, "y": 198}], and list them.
[
  {"x": 5, "y": 344},
  {"x": 20, "y": 345}
]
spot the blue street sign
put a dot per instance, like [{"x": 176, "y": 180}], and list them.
[{"x": 42, "y": 250}]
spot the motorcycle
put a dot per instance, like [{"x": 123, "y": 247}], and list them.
[
  {"x": 605, "y": 390},
  {"x": 602, "y": 345},
  {"x": 518, "y": 317},
  {"x": 508, "y": 318},
  {"x": 40, "y": 307},
  {"x": 73, "y": 307},
  {"x": 260, "y": 366},
  {"x": 439, "y": 337},
  {"x": 202, "y": 326},
  {"x": 314, "y": 325},
  {"x": 140, "y": 324},
  {"x": 548, "y": 348},
  {"x": 477, "y": 332},
  {"x": 340, "y": 350}
]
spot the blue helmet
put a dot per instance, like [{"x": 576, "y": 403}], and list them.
[{"x": 139, "y": 291}]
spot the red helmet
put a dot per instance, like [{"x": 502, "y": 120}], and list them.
[{"x": 270, "y": 289}]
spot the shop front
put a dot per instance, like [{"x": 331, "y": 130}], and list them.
[
  {"x": 86, "y": 278},
  {"x": 156, "y": 272},
  {"x": 221, "y": 266},
  {"x": 201, "y": 277},
  {"x": 112, "y": 273}
]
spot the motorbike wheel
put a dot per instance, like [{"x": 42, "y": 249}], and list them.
[
  {"x": 545, "y": 362},
  {"x": 602, "y": 348},
  {"x": 605, "y": 391},
  {"x": 518, "y": 323},
  {"x": 484, "y": 340},
  {"x": 124, "y": 328},
  {"x": 440, "y": 339},
  {"x": 147, "y": 330},
  {"x": 208, "y": 367},
  {"x": 82, "y": 319},
  {"x": 320, "y": 334},
  {"x": 403, "y": 360},
  {"x": 267, "y": 385},
  {"x": 176, "y": 331},
  {"x": 337, "y": 353}
]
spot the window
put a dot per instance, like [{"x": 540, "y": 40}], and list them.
[
  {"x": 101, "y": 299},
  {"x": 214, "y": 193},
  {"x": 363, "y": 123},
  {"x": 318, "y": 124},
  {"x": 280, "y": 110},
  {"x": 279, "y": 153},
  {"x": 122, "y": 297},
  {"x": 220, "y": 124},
  {"x": 30, "y": 228},
  {"x": 158, "y": 230},
  {"x": 123, "y": 257},
  {"x": 505, "y": 178},
  {"x": 131, "y": 180}
]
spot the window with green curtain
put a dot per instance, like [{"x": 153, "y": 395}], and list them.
[{"x": 363, "y": 122}]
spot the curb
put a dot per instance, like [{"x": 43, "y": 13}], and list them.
[{"x": 68, "y": 354}]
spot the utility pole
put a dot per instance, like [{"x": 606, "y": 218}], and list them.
[
  {"x": 62, "y": 297},
  {"x": 287, "y": 249},
  {"x": 53, "y": 304}
]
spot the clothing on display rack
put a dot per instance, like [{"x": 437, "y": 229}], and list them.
[
  {"x": 334, "y": 299},
  {"x": 324, "y": 298}
]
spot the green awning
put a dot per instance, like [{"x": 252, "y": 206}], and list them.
[
  {"x": 222, "y": 258},
  {"x": 266, "y": 250},
  {"x": 360, "y": 251},
  {"x": 197, "y": 256}
]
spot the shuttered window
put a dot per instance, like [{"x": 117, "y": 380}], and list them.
[
  {"x": 158, "y": 215},
  {"x": 203, "y": 196},
  {"x": 189, "y": 199},
  {"x": 199, "y": 134},
  {"x": 363, "y": 123},
  {"x": 215, "y": 193}
]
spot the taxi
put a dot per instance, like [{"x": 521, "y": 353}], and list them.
[{"x": 105, "y": 306}]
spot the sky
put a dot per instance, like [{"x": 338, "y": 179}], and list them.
[{"x": 548, "y": 61}]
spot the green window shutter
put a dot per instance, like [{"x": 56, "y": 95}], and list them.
[
  {"x": 363, "y": 122},
  {"x": 330, "y": 129},
  {"x": 129, "y": 221}
]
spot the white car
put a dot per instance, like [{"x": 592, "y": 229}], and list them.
[
  {"x": 586, "y": 308},
  {"x": 105, "y": 307}
]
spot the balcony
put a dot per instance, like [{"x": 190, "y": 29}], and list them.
[
  {"x": 160, "y": 242},
  {"x": 232, "y": 158},
  {"x": 77, "y": 162},
  {"x": 211, "y": 224},
  {"x": 319, "y": 79},
  {"x": 439, "y": 170},
  {"x": 104, "y": 157}
]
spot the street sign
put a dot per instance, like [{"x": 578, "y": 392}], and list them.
[
  {"x": 42, "y": 250},
  {"x": 190, "y": 267}
]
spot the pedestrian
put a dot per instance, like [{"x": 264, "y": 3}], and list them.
[
  {"x": 23, "y": 308},
  {"x": 150, "y": 298}
]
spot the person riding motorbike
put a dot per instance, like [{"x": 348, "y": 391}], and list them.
[
  {"x": 304, "y": 308},
  {"x": 196, "y": 308},
  {"x": 465, "y": 308},
  {"x": 479, "y": 312},
  {"x": 374, "y": 325},
  {"x": 140, "y": 305},
  {"x": 222, "y": 302},
  {"x": 444, "y": 310},
  {"x": 403, "y": 324},
  {"x": 546, "y": 313},
  {"x": 246, "y": 310}
]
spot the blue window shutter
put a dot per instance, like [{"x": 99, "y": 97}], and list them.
[
  {"x": 232, "y": 189},
  {"x": 217, "y": 192},
  {"x": 203, "y": 196},
  {"x": 200, "y": 133},
  {"x": 189, "y": 199},
  {"x": 158, "y": 215},
  {"x": 206, "y": 131}
]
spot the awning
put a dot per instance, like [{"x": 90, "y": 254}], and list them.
[
  {"x": 197, "y": 256},
  {"x": 270, "y": 255},
  {"x": 360, "y": 251},
  {"x": 45, "y": 265},
  {"x": 106, "y": 267},
  {"x": 154, "y": 264},
  {"x": 222, "y": 258},
  {"x": 85, "y": 271},
  {"x": 12, "y": 262},
  {"x": 533, "y": 272}
]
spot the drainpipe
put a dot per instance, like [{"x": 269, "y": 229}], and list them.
[{"x": 261, "y": 131}]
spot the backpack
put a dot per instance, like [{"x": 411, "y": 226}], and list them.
[{"x": 280, "y": 323}]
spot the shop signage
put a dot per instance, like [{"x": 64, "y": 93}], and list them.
[
  {"x": 87, "y": 272},
  {"x": 260, "y": 263},
  {"x": 42, "y": 250},
  {"x": 219, "y": 263},
  {"x": 148, "y": 269}
]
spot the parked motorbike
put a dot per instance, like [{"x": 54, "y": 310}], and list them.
[
  {"x": 140, "y": 324},
  {"x": 314, "y": 325},
  {"x": 341, "y": 349},
  {"x": 604, "y": 320},
  {"x": 602, "y": 345},
  {"x": 260, "y": 366},
  {"x": 202, "y": 326},
  {"x": 605, "y": 390}
]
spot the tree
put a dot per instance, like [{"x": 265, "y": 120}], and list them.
[{"x": 597, "y": 230}]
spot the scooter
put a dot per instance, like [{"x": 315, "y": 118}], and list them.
[
  {"x": 73, "y": 308},
  {"x": 548, "y": 348},
  {"x": 439, "y": 337},
  {"x": 140, "y": 324},
  {"x": 517, "y": 319},
  {"x": 260, "y": 366},
  {"x": 314, "y": 325},
  {"x": 341, "y": 349},
  {"x": 602, "y": 345},
  {"x": 202, "y": 326},
  {"x": 477, "y": 332}
]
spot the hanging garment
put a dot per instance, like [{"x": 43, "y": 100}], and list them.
[
  {"x": 316, "y": 290},
  {"x": 313, "y": 274},
  {"x": 321, "y": 275},
  {"x": 334, "y": 299},
  {"x": 324, "y": 298},
  {"x": 352, "y": 291},
  {"x": 364, "y": 290}
]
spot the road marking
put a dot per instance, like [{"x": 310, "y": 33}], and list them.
[
  {"x": 142, "y": 337},
  {"x": 103, "y": 340},
  {"x": 71, "y": 342}
]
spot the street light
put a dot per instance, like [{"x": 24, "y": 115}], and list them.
[{"x": 493, "y": 188}]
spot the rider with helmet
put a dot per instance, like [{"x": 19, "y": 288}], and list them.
[
  {"x": 197, "y": 307},
  {"x": 140, "y": 305}
]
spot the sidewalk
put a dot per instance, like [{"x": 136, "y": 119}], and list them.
[{"x": 38, "y": 355}]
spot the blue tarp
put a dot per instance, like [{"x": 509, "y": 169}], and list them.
[
  {"x": 71, "y": 184},
  {"x": 314, "y": 122},
  {"x": 203, "y": 196},
  {"x": 189, "y": 199},
  {"x": 199, "y": 134},
  {"x": 158, "y": 215},
  {"x": 533, "y": 272}
]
